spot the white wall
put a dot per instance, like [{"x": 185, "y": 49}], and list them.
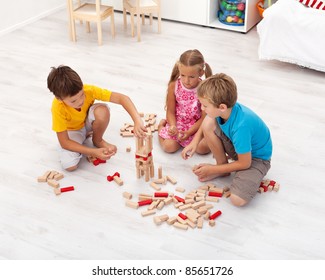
[{"x": 16, "y": 13}]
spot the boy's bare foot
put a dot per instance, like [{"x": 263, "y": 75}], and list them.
[
  {"x": 207, "y": 172},
  {"x": 213, "y": 176},
  {"x": 110, "y": 147}
]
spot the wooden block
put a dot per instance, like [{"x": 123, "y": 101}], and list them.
[
  {"x": 157, "y": 221},
  {"x": 127, "y": 195},
  {"x": 200, "y": 222},
  {"x": 168, "y": 200},
  {"x": 184, "y": 207},
  {"x": 178, "y": 204},
  {"x": 52, "y": 174},
  {"x": 180, "y": 226},
  {"x": 127, "y": 134},
  {"x": 171, "y": 220},
  {"x": 148, "y": 212},
  {"x": 132, "y": 204},
  {"x": 160, "y": 219},
  {"x": 190, "y": 223},
  {"x": 171, "y": 179},
  {"x": 118, "y": 180},
  {"x": 128, "y": 149},
  {"x": 198, "y": 204},
  {"x": 189, "y": 201},
  {"x": 162, "y": 180},
  {"x": 161, "y": 205},
  {"x": 212, "y": 199},
  {"x": 159, "y": 172},
  {"x": 180, "y": 189},
  {"x": 53, "y": 183},
  {"x": 153, "y": 205},
  {"x": 212, "y": 223},
  {"x": 155, "y": 186},
  {"x": 216, "y": 189},
  {"x": 58, "y": 176},
  {"x": 200, "y": 198},
  {"x": 276, "y": 187},
  {"x": 44, "y": 177},
  {"x": 207, "y": 215},
  {"x": 57, "y": 191}
]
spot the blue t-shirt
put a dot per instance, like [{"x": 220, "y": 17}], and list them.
[{"x": 247, "y": 132}]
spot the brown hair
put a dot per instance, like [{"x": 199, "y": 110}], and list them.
[
  {"x": 218, "y": 89},
  {"x": 64, "y": 82},
  {"x": 191, "y": 58}
]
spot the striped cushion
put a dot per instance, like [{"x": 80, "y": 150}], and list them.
[{"x": 316, "y": 4}]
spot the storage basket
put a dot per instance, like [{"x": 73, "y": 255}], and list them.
[{"x": 232, "y": 12}]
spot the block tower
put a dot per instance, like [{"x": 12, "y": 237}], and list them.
[{"x": 143, "y": 157}]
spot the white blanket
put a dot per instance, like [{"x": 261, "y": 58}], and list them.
[{"x": 291, "y": 32}]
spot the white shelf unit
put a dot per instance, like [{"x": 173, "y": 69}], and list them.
[{"x": 200, "y": 12}]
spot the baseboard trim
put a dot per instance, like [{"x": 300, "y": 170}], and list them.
[{"x": 31, "y": 20}]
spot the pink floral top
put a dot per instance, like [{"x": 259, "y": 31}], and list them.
[{"x": 188, "y": 112}]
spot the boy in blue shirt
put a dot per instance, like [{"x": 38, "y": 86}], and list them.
[{"x": 233, "y": 131}]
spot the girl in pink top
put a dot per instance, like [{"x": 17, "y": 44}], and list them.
[{"x": 183, "y": 110}]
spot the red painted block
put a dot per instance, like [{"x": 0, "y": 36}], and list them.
[
  {"x": 162, "y": 194},
  {"x": 215, "y": 215},
  {"x": 111, "y": 178},
  {"x": 179, "y": 199},
  {"x": 184, "y": 217},
  {"x": 215, "y": 194},
  {"x": 67, "y": 189},
  {"x": 145, "y": 202}
]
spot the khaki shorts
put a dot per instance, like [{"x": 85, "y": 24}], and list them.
[
  {"x": 68, "y": 158},
  {"x": 246, "y": 182}
]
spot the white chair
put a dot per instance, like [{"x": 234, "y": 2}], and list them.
[
  {"x": 138, "y": 8},
  {"x": 90, "y": 12}
]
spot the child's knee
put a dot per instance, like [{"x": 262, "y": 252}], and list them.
[
  {"x": 237, "y": 201},
  {"x": 101, "y": 112},
  {"x": 71, "y": 168}
]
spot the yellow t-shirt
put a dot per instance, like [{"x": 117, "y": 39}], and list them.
[{"x": 67, "y": 118}]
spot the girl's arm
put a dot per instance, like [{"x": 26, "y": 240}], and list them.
[
  {"x": 126, "y": 102},
  {"x": 171, "y": 108}
]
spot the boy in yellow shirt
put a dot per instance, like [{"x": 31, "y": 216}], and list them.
[{"x": 75, "y": 116}]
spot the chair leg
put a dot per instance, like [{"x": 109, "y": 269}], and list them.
[
  {"x": 112, "y": 25},
  {"x": 132, "y": 24},
  {"x": 151, "y": 18},
  {"x": 124, "y": 18},
  {"x": 88, "y": 26},
  {"x": 139, "y": 27},
  {"x": 99, "y": 31},
  {"x": 159, "y": 22},
  {"x": 73, "y": 31}
]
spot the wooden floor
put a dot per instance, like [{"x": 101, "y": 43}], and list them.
[{"x": 92, "y": 222}]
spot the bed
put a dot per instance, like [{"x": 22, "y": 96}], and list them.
[{"x": 291, "y": 32}]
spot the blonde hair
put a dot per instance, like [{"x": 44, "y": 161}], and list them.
[
  {"x": 218, "y": 89},
  {"x": 190, "y": 58}
]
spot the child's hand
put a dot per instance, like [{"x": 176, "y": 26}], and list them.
[
  {"x": 103, "y": 153},
  {"x": 172, "y": 130},
  {"x": 183, "y": 135},
  {"x": 139, "y": 130},
  {"x": 188, "y": 151}
]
